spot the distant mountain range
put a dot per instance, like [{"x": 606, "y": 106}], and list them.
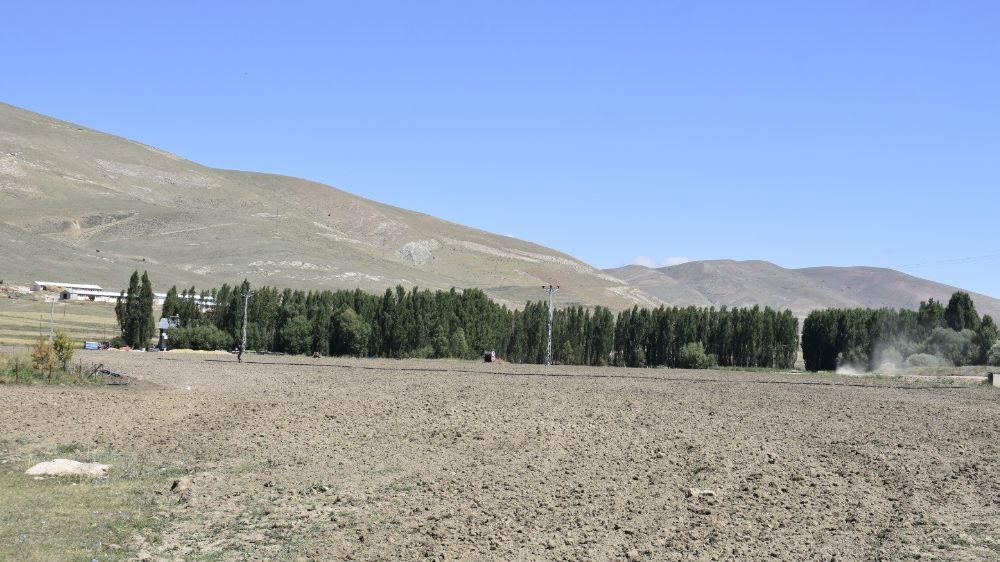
[
  {"x": 78, "y": 205},
  {"x": 746, "y": 283}
]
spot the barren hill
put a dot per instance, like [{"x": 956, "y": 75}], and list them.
[
  {"x": 79, "y": 205},
  {"x": 746, "y": 283}
]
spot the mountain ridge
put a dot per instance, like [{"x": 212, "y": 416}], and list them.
[
  {"x": 757, "y": 282},
  {"x": 81, "y": 205},
  {"x": 75, "y": 202}
]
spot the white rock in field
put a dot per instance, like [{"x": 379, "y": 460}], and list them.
[
  {"x": 66, "y": 467},
  {"x": 699, "y": 493}
]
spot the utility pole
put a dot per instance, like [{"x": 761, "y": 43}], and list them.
[
  {"x": 243, "y": 345},
  {"x": 548, "y": 348},
  {"x": 52, "y": 315}
]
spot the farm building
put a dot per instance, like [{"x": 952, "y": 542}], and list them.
[
  {"x": 88, "y": 295},
  {"x": 204, "y": 305},
  {"x": 52, "y": 285}
]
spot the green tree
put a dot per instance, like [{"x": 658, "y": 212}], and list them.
[
  {"x": 43, "y": 357},
  {"x": 125, "y": 299},
  {"x": 134, "y": 311},
  {"x": 986, "y": 337},
  {"x": 350, "y": 334},
  {"x": 439, "y": 341},
  {"x": 931, "y": 315},
  {"x": 171, "y": 304},
  {"x": 566, "y": 354},
  {"x": 297, "y": 335},
  {"x": 961, "y": 312},
  {"x": 62, "y": 345},
  {"x": 145, "y": 324},
  {"x": 458, "y": 346}
]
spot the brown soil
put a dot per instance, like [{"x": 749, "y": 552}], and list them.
[{"x": 372, "y": 459}]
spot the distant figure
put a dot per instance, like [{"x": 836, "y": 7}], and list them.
[
  {"x": 315, "y": 355},
  {"x": 239, "y": 354}
]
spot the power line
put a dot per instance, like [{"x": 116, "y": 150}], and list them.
[{"x": 948, "y": 261}]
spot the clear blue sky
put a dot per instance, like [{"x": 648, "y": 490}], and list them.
[{"x": 804, "y": 133}]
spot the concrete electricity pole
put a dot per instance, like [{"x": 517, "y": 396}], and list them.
[{"x": 548, "y": 348}]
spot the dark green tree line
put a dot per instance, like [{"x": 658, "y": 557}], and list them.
[
  {"x": 463, "y": 324},
  {"x": 874, "y": 338}
]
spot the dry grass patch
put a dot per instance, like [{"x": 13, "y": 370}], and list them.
[
  {"x": 78, "y": 518},
  {"x": 24, "y": 319}
]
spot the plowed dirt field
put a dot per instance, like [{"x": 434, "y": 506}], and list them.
[{"x": 291, "y": 458}]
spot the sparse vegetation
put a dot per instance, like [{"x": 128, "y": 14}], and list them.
[{"x": 41, "y": 365}]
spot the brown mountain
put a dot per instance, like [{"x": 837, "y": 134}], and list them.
[
  {"x": 746, "y": 283},
  {"x": 78, "y": 205}
]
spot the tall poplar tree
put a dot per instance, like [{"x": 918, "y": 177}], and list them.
[{"x": 134, "y": 310}]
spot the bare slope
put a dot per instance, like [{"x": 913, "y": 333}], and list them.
[
  {"x": 660, "y": 285},
  {"x": 80, "y": 205},
  {"x": 873, "y": 286},
  {"x": 748, "y": 283}
]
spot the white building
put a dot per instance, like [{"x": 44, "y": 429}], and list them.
[
  {"x": 87, "y": 295},
  {"x": 204, "y": 305},
  {"x": 43, "y": 286}
]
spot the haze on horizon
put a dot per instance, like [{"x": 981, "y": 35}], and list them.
[{"x": 848, "y": 134}]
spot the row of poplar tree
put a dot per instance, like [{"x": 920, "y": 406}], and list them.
[
  {"x": 464, "y": 324},
  {"x": 872, "y": 339}
]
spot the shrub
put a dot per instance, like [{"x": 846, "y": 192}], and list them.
[
  {"x": 62, "y": 345},
  {"x": 926, "y": 360},
  {"x": 206, "y": 338},
  {"x": 693, "y": 356},
  {"x": 993, "y": 356},
  {"x": 43, "y": 357},
  {"x": 958, "y": 347}
]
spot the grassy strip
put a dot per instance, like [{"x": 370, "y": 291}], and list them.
[
  {"x": 20, "y": 320},
  {"x": 16, "y": 369},
  {"x": 78, "y": 518}
]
